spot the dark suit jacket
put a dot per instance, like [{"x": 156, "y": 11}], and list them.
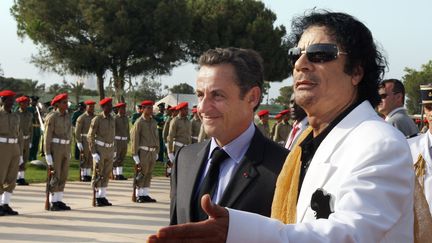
[{"x": 251, "y": 188}]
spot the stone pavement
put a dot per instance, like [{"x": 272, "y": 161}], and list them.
[{"x": 125, "y": 221}]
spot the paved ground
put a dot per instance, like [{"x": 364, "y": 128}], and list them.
[{"x": 125, "y": 221}]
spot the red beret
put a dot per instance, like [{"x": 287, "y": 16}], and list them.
[
  {"x": 59, "y": 97},
  {"x": 121, "y": 104},
  {"x": 172, "y": 108},
  {"x": 22, "y": 99},
  {"x": 89, "y": 102},
  {"x": 181, "y": 106},
  {"x": 278, "y": 116},
  {"x": 105, "y": 101},
  {"x": 194, "y": 110},
  {"x": 7, "y": 93},
  {"x": 263, "y": 113},
  {"x": 147, "y": 103},
  {"x": 284, "y": 112}
]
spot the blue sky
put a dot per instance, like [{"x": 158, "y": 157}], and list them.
[{"x": 403, "y": 29}]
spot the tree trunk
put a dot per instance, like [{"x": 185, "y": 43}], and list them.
[{"x": 100, "y": 84}]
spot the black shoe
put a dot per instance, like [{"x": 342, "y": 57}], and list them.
[
  {"x": 116, "y": 178},
  {"x": 87, "y": 178},
  {"x": 105, "y": 201},
  {"x": 1, "y": 211},
  {"x": 8, "y": 210},
  {"x": 63, "y": 206},
  {"x": 82, "y": 178},
  {"x": 122, "y": 178},
  {"x": 102, "y": 202},
  {"x": 145, "y": 199},
  {"x": 55, "y": 207},
  {"x": 21, "y": 182}
]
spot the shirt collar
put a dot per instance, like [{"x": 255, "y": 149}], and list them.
[
  {"x": 238, "y": 147},
  {"x": 393, "y": 112}
]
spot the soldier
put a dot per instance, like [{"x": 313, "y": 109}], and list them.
[
  {"x": 282, "y": 129},
  {"x": 79, "y": 111},
  {"x": 10, "y": 150},
  {"x": 278, "y": 119},
  {"x": 170, "y": 114},
  {"x": 160, "y": 119},
  {"x": 263, "y": 125},
  {"x": 122, "y": 138},
  {"x": 57, "y": 137},
  {"x": 26, "y": 119},
  {"x": 202, "y": 134},
  {"x": 196, "y": 125},
  {"x": 137, "y": 114},
  {"x": 145, "y": 149},
  {"x": 101, "y": 141},
  {"x": 81, "y": 130},
  {"x": 37, "y": 116},
  {"x": 179, "y": 134}
]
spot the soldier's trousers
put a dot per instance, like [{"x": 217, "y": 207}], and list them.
[
  {"x": 9, "y": 162},
  {"x": 61, "y": 155},
  {"x": 104, "y": 165},
  {"x": 26, "y": 152},
  {"x": 121, "y": 146},
  {"x": 35, "y": 143},
  {"x": 147, "y": 163},
  {"x": 88, "y": 159}
]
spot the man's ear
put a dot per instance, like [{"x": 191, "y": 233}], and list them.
[
  {"x": 357, "y": 75},
  {"x": 253, "y": 96}
]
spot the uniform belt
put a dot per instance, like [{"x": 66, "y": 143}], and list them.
[
  {"x": 195, "y": 137},
  {"x": 83, "y": 134},
  {"x": 36, "y": 125},
  {"x": 147, "y": 148},
  {"x": 60, "y": 141},
  {"x": 179, "y": 144},
  {"x": 8, "y": 140},
  {"x": 107, "y": 145},
  {"x": 26, "y": 137},
  {"x": 120, "y": 138}
]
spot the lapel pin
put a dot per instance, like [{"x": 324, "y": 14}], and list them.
[{"x": 245, "y": 175}]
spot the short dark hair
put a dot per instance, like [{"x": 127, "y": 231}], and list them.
[
  {"x": 247, "y": 64},
  {"x": 354, "y": 38},
  {"x": 398, "y": 87}
]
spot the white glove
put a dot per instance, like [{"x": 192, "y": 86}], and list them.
[
  {"x": 171, "y": 157},
  {"x": 49, "y": 159},
  {"x": 96, "y": 157},
  {"x": 115, "y": 154},
  {"x": 30, "y": 145},
  {"x": 156, "y": 156},
  {"x": 21, "y": 161},
  {"x": 80, "y": 146},
  {"x": 136, "y": 159}
]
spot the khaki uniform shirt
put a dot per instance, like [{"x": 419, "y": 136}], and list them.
[
  {"x": 26, "y": 124},
  {"x": 144, "y": 133},
  {"x": 57, "y": 126},
  {"x": 10, "y": 127},
  {"x": 102, "y": 129},
  {"x": 166, "y": 127},
  {"x": 196, "y": 126},
  {"x": 282, "y": 131},
  {"x": 122, "y": 127},
  {"x": 82, "y": 127},
  {"x": 264, "y": 128},
  {"x": 202, "y": 134},
  {"x": 180, "y": 131}
]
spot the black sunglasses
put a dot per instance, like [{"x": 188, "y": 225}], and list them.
[
  {"x": 384, "y": 95},
  {"x": 318, "y": 53}
]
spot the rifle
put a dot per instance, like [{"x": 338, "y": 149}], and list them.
[
  {"x": 137, "y": 171},
  {"x": 96, "y": 180},
  {"x": 50, "y": 173}
]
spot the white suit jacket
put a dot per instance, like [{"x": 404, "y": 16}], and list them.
[
  {"x": 421, "y": 145},
  {"x": 365, "y": 164}
]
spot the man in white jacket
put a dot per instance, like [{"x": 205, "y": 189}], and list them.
[{"x": 350, "y": 176}]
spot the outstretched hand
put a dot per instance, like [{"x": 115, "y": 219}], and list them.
[{"x": 214, "y": 229}]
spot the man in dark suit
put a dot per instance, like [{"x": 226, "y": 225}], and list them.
[{"x": 229, "y": 90}]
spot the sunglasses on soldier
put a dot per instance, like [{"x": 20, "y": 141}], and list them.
[{"x": 316, "y": 53}]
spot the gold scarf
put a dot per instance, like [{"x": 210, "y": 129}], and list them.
[
  {"x": 422, "y": 216},
  {"x": 284, "y": 206}
]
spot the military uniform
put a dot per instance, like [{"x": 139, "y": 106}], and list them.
[
  {"x": 101, "y": 141},
  {"x": 36, "y": 134},
  {"x": 57, "y": 139},
  {"x": 81, "y": 130},
  {"x": 74, "y": 118},
  {"x": 122, "y": 138},
  {"x": 179, "y": 134},
  {"x": 11, "y": 154},
  {"x": 264, "y": 129},
  {"x": 26, "y": 127},
  {"x": 145, "y": 149},
  {"x": 196, "y": 126},
  {"x": 202, "y": 134},
  {"x": 282, "y": 131},
  {"x": 160, "y": 119}
]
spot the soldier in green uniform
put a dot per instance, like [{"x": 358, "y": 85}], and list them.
[
  {"x": 122, "y": 138},
  {"x": 79, "y": 111},
  {"x": 101, "y": 141},
  {"x": 57, "y": 137},
  {"x": 33, "y": 108},
  {"x": 196, "y": 125},
  {"x": 263, "y": 125},
  {"x": 10, "y": 150},
  {"x": 81, "y": 129},
  {"x": 160, "y": 119},
  {"x": 180, "y": 131},
  {"x": 145, "y": 149},
  {"x": 137, "y": 114},
  {"x": 282, "y": 129},
  {"x": 26, "y": 127}
]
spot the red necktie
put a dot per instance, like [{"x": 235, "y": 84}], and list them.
[{"x": 293, "y": 133}]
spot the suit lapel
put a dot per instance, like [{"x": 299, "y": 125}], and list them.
[
  {"x": 321, "y": 169},
  {"x": 246, "y": 172}
]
